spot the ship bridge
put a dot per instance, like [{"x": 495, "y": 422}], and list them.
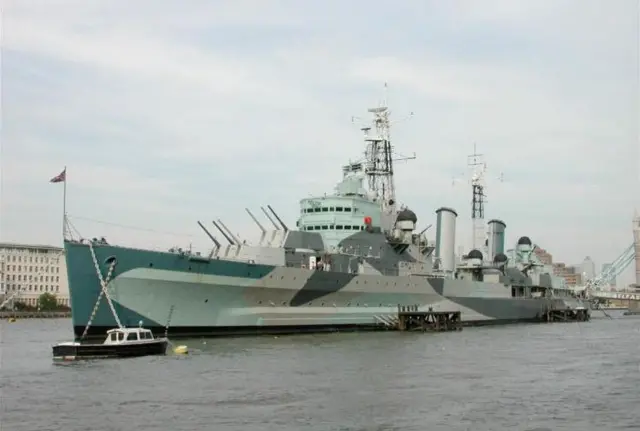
[{"x": 340, "y": 215}]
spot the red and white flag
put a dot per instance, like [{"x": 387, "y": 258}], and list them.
[{"x": 61, "y": 177}]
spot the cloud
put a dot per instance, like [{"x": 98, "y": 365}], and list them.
[{"x": 165, "y": 114}]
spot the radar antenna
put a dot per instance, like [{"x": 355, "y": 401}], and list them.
[{"x": 378, "y": 162}]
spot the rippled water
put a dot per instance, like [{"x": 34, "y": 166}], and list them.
[{"x": 574, "y": 376}]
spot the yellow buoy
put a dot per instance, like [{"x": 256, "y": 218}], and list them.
[
  {"x": 181, "y": 350},
  {"x": 12, "y": 319}
]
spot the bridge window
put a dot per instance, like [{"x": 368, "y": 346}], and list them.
[
  {"x": 132, "y": 336},
  {"x": 332, "y": 209},
  {"x": 339, "y": 209},
  {"x": 347, "y": 210},
  {"x": 338, "y": 227},
  {"x": 325, "y": 209},
  {"x": 316, "y": 210},
  {"x": 325, "y": 227}
]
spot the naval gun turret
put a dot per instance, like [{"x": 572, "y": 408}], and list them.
[
  {"x": 405, "y": 225},
  {"x": 402, "y": 234},
  {"x": 525, "y": 258},
  {"x": 473, "y": 265}
]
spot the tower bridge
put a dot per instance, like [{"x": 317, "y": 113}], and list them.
[{"x": 595, "y": 288}]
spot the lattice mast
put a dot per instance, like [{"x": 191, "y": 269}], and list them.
[
  {"x": 379, "y": 155},
  {"x": 478, "y": 170}
]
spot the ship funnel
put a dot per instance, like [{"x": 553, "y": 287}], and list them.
[
  {"x": 496, "y": 238},
  {"x": 446, "y": 239}
]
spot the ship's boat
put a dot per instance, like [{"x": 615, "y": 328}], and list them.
[{"x": 119, "y": 343}]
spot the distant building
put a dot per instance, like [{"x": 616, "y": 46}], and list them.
[
  {"x": 34, "y": 270},
  {"x": 588, "y": 268},
  {"x": 572, "y": 276},
  {"x": 544, "y": 256}
]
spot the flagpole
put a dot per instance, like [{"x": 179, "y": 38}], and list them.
[{"x": 64, "y": 205}]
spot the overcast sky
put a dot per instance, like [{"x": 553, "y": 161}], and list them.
[{"x": 169, "y": 112}]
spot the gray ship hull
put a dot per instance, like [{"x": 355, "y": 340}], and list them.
[{"x": 195, "y": 298}]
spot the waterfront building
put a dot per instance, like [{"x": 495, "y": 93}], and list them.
[{"x": 33, "y": 270}]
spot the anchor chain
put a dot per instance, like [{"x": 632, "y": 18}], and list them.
[{"x": 103, "y": 283}]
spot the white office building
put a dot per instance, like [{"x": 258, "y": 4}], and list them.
[{"x": 33, "y": 270}]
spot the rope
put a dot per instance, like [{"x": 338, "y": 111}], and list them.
[
  {"x": 93, "y": 314},
  {"x": 104, "y": 291},
  {"x": 95, "y": 307}
]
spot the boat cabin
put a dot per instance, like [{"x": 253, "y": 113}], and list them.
[{"x": 128, "y": 335}]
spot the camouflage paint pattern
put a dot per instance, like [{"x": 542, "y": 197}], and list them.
[{"x": 221, "y": 296}]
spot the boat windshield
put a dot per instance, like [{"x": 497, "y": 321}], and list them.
[{"x": 116, "y": 336}]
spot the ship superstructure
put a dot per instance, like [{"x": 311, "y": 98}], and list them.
[{"x": 354, "y": 257}]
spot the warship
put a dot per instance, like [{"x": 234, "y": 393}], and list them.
[{"x": 354, "y": 257}]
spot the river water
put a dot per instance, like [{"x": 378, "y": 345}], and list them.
[{"x": 563, "y": 376}]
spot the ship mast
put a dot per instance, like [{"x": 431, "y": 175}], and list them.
[
  {"x": 378, "y": 163},
  {"x": 378, "y": 157},
  {"x": 479, "y": 167}
]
